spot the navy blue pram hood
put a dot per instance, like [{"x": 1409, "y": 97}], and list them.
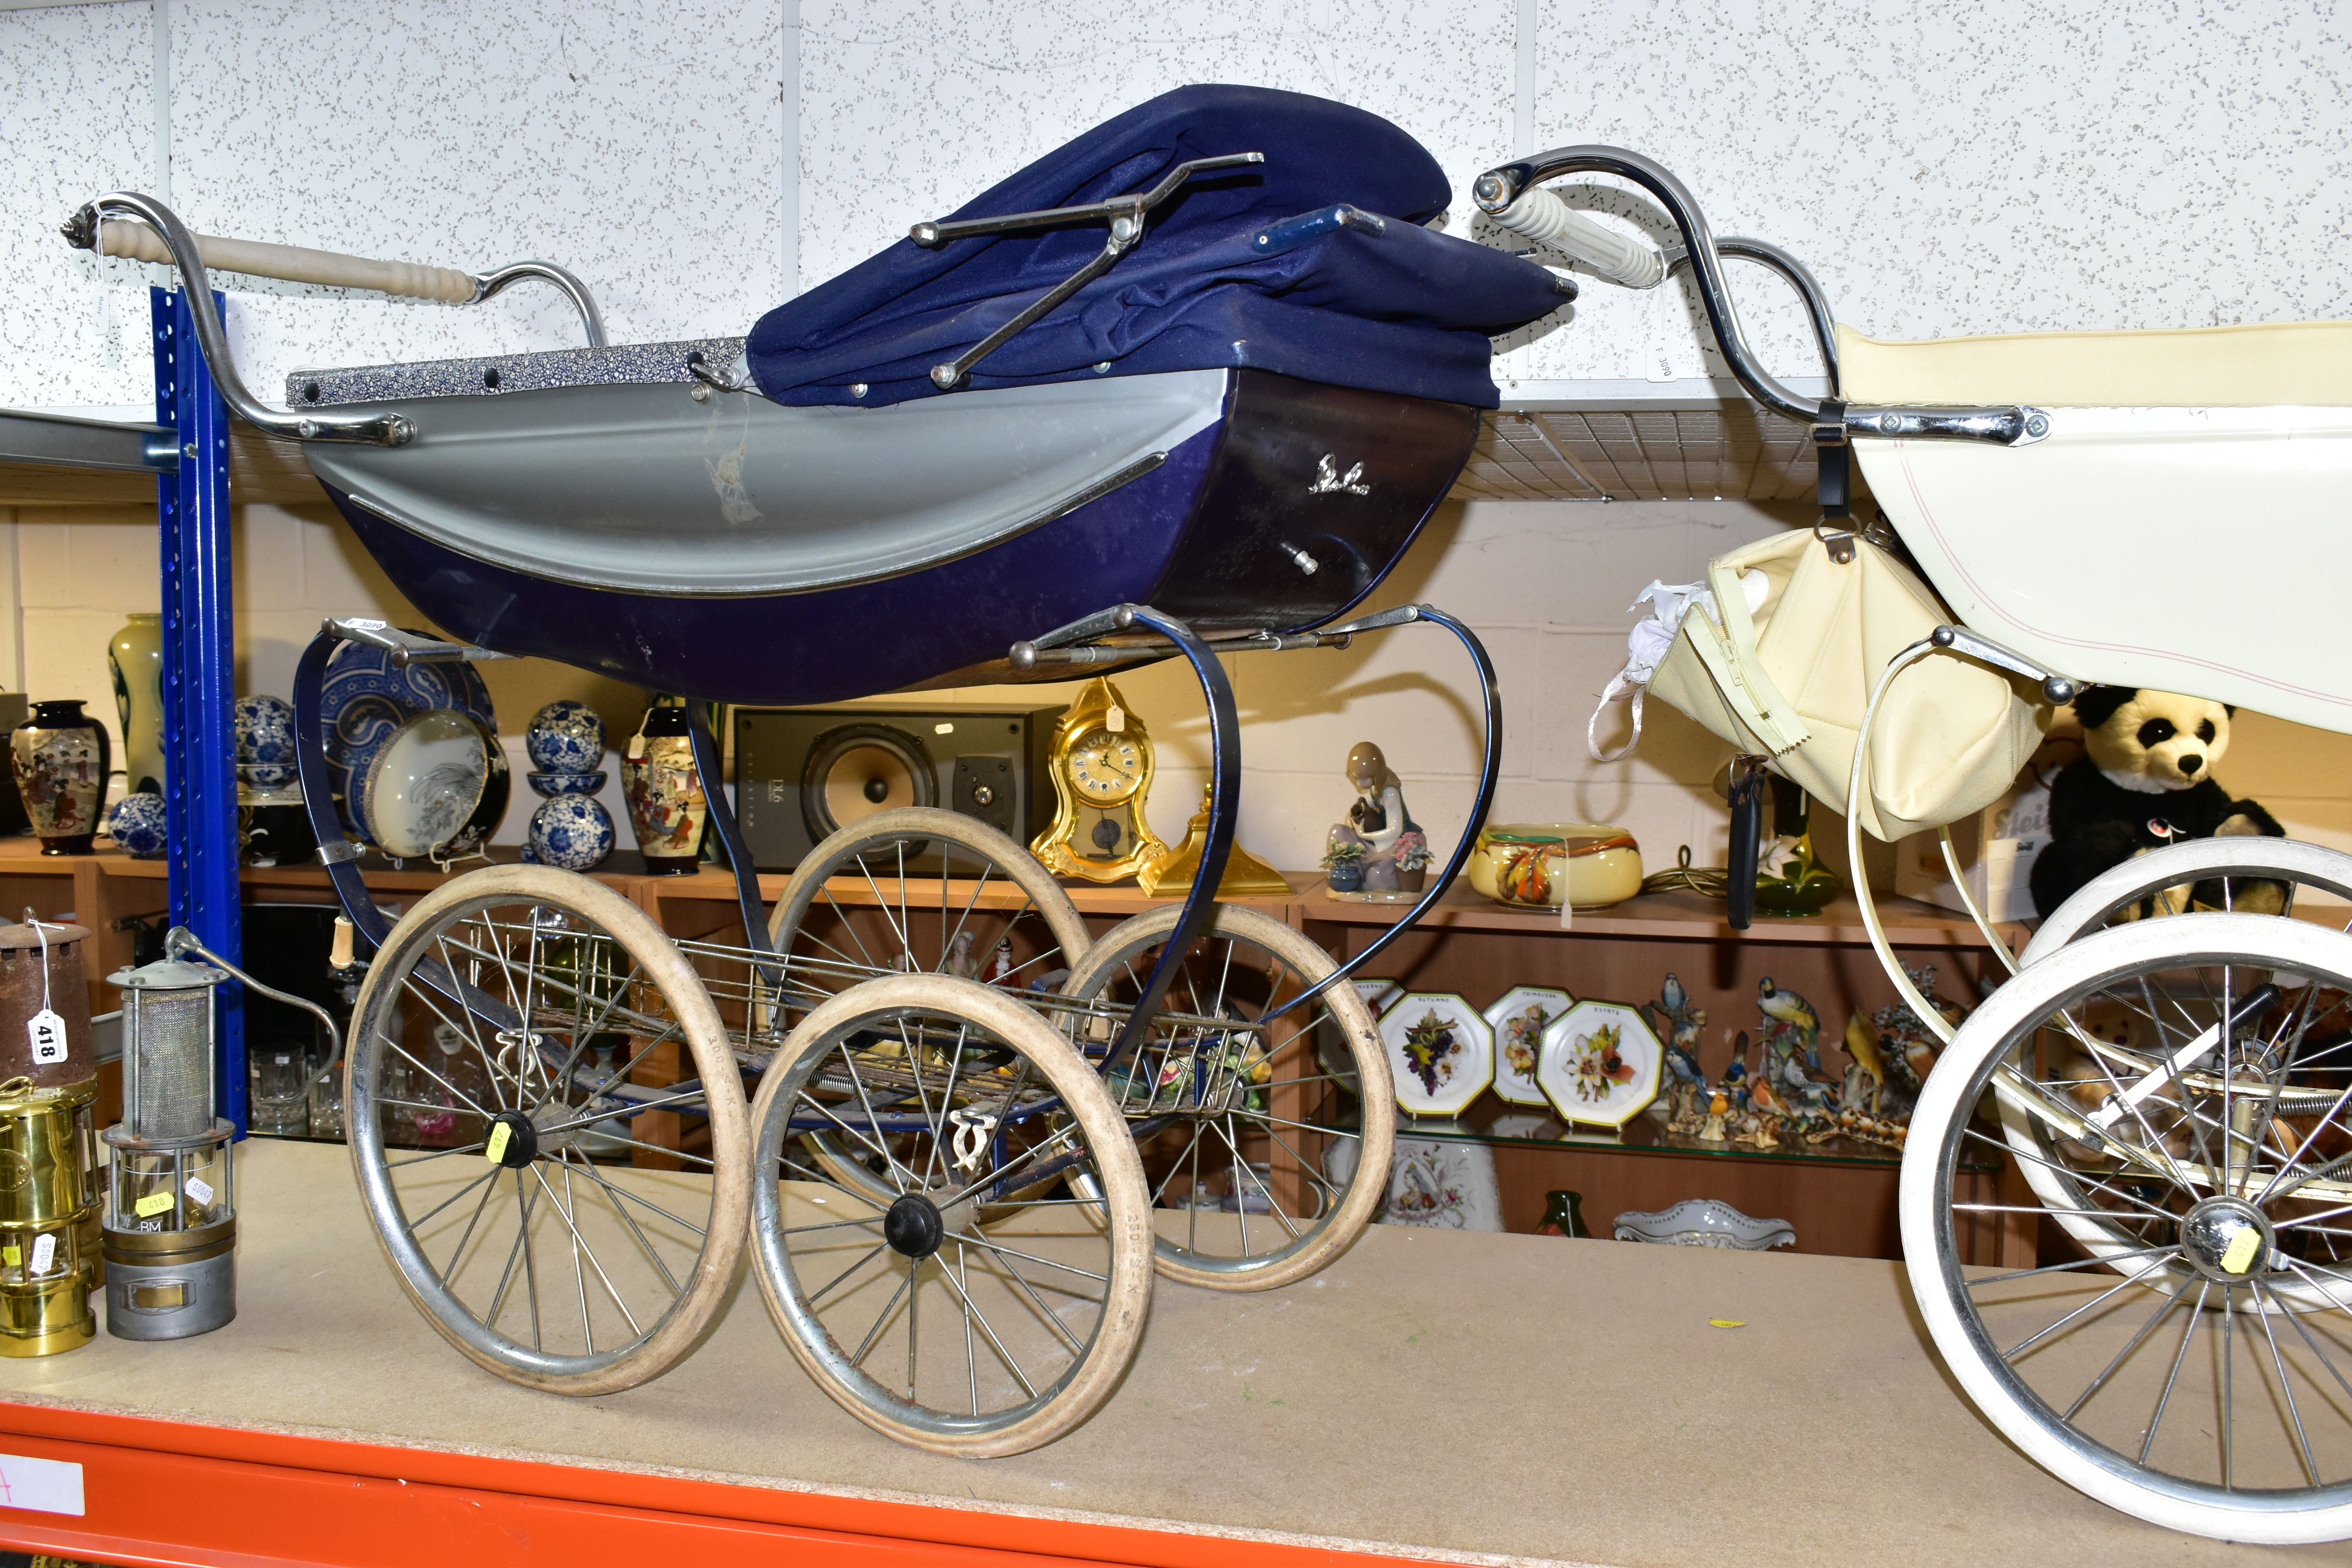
[{"x": 1404, "y": 309}]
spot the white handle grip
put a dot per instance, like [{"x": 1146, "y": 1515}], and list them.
[
  {"x": 1541, "y": 215},
  {"x": 293, "y": 263}
]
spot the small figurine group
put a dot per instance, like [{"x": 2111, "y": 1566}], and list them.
[
  {"x": 1379, "y": 849},
  {"x": 1787, "y": 1095}
]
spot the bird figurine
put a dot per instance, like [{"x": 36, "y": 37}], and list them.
[
  {"x": 1678, "y": 1024},
  {"x": 1790, "y": 1024}
]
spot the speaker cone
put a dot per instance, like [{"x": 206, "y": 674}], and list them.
[{"x": 861, "y": 769}]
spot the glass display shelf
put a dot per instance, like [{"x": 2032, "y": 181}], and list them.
[{"x": 1494, "y": 1121}]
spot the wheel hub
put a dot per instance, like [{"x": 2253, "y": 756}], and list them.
[
  {"x": 913, "y": 1226},
  {"x": 2227, "y": 1239},
  {"x": 519, "y": 1147}
]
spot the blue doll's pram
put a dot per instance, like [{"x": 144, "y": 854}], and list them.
[{"x": 1005, "y": 448}]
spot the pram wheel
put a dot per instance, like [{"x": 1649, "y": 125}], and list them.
[
  {"x": 914, "y": 917},
  {"x": 492, "y": 1024},
  {"x": 910, "y": 1317},
  {"x": 1235, "y": 1126},
  {"x": 2183, "y": 1084},
  {"x": 2222, "y": 874},
  {"x": 2216, "y": 868}
]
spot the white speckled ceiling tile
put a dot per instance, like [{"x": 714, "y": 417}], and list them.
[
  {"x": 1948, "y": 168},
  {"x": 908, "y": 108},
  {"x": 76, "y": 117},
  {"x": 639, "y": 143}
]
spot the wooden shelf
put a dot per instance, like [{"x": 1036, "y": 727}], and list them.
[{"x": 1686, "y": 916}]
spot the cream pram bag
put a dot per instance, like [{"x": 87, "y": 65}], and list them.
[{"x": 1777, "y": 653}]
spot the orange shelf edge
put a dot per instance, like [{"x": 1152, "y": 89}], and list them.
[{"x": 189, "y": 1495}]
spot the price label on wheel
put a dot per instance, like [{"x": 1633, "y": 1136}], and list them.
[{"x": 496, "y": 1149}]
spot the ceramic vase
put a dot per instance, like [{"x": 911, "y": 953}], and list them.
[
  {"x": 61, "y": 758},
  {"x": 136, "y": 826},
  {"x": 1345, "y": 878},
  {"x": 134, "y": 658},
  {"x": 565, "y": 737},
  {"x": 570, "y": 833},
  {"x": 669, "y": 807},
  {"x": 265, "y": 742}
]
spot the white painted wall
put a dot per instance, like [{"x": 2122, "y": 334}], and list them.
[{"x": 1945, "y": 168}]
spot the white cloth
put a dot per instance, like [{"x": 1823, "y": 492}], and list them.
[{"x": 1649, "y": 643}]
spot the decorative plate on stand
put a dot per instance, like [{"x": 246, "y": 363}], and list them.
[
  {"x": 1331, "y": 1050},
  {"x": 1519, "y": 1017},
  {"x": 365, "y": 698},
  {"x": 1441, "y": 1053},
  {"x": 1599, "y": 1064}
]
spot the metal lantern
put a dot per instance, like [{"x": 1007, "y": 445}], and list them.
[
  {"x": 170, "y": 1216},
  {"x": 45, "y": 1038},
  {"x": 45, "y": 1266}
]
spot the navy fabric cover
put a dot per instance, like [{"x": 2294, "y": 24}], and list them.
[{"x": 1408, "y": 311}]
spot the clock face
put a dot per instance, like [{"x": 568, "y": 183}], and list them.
[{"x": 1104, "y": 767}]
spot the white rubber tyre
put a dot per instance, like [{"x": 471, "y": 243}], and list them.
[{"x": 1948, "y": 1295}]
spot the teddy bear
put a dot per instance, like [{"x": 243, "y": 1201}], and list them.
[{"x": 2146, "y": 780}]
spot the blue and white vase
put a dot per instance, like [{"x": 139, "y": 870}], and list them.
[
  {"x": 554, "y": 785},
  {"x": 137, "y": 826},
  {"x": 570, "y": 833},
  {"x": 565, "y": 737},
  {"x": 265, "y": 742}
]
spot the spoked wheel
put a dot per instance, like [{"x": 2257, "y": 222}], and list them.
[
  {"x": 907, "y": 1313},
  {"x": 2269, "y": 873},
  {"x": 1238, "y": 1121},
  {"x": 928, "y": 892},
  {"x": 2185, "y": 1084},
  {"x": 481, "y": 1020}
]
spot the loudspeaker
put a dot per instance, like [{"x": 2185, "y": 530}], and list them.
[{"x": 802, "y": 773}]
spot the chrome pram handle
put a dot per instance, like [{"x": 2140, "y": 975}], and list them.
[
  {"x": 1125, "y": 215},
  {"x": 1509, "y": 193},
  {"x": 124, "y": 223}
]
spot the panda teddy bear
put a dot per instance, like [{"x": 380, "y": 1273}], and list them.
[{"x": 2145, "y": 780}]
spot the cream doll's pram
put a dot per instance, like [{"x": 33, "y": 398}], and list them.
[{"x": 2166, "y": 510}]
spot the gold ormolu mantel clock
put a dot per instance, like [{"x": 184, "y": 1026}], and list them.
[{"x": 1100, "y": 760}]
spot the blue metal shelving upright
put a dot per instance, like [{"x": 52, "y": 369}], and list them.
[{"x": 199, "y": 668}]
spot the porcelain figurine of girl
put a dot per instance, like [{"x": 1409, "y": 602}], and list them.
[{"x": 1377, "y": 814}]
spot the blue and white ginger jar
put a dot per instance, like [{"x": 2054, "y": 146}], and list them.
[
  {"x": 265, "y": 742},
  {"x": 570, "y": 833},
  {"x": 565, "y": 737},
  {"x": 137, "y": 826}
]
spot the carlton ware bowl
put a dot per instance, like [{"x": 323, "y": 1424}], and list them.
[{"x": 1536, "y": 865}]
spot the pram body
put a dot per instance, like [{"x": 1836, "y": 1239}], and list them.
[{"x": 750, "y": 551}]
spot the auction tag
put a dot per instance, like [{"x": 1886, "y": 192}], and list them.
[
  {"x": 1116, "y": 719},
  {"x": 496, "y": 1149},
  {"x": 10, "y": 1256},
  {"x": 200, "y": 1190},
  {"x": 45, "y": 1252},
  {"x": 153, "y": 1203},
  {"x": 2236, "y": 1260},
  {"x": 49, "y": 1034}
]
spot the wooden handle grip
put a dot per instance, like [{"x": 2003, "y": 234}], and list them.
[
  {"x": 293, "y": 263},
  {"x": 341, "y": 956}
]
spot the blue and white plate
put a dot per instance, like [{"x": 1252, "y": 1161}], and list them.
[
  {"x": 571, "y": 833},
  {"x": 365, "y": 698},
  {"x": 554, "y": 785},
  {"x": 565, "y": 737}
]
